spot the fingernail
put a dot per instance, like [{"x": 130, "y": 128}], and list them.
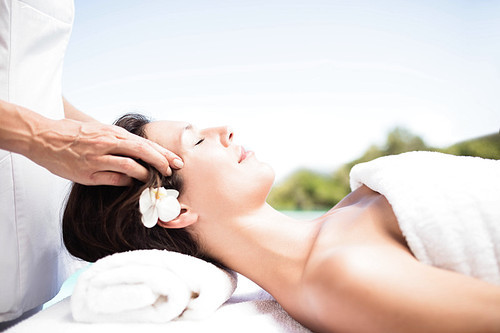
[
  {"x": 178, "y": 163},
  {"x": 169, "y": 171}
]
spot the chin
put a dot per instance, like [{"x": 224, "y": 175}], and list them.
[{"x": 268, "y": 177}]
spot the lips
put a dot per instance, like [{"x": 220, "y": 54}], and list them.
[{"x": 243, "y": 155}]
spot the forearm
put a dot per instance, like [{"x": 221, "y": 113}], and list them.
[
  {"x": 70, "y": 112},
  {"x": 86, "y": 152},
  {"x": 19, "y": 127}
]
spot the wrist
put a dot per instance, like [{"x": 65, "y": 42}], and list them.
[{"x": 50, "y": 137}]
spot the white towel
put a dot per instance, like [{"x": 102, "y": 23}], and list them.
[
  {"x": 448, "y": 207},
  {"x": 150, "y": 286},
  {"x": 250, "y": 309}
]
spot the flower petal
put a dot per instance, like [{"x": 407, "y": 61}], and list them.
[
  {"x": 150, "y": 217},
  {"x": 168, "y": 208},
  {"x": 145, "y": 201},
  {"x": 147, "y": 208},
  {"x": 172, "y": 193}
]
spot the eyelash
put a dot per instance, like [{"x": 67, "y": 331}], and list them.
[{"x": 201, "y": 140}]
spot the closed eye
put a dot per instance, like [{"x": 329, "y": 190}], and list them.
[{"x": 201, "y": 140}]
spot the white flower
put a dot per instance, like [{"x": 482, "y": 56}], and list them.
[{"x": 158, "y": 203}]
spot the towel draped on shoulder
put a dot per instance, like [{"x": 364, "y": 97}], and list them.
[{"x": 448, "y": 207}]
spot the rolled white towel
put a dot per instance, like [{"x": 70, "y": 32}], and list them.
[{"x": 150, "y": 286}]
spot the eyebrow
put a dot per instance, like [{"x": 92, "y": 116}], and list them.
[{"x": 189, "y": 127}]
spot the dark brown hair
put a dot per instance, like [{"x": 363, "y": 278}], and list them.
[{"x": 102, "y": 220}]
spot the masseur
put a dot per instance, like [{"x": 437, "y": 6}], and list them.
[{"x": 44, "y": 139}]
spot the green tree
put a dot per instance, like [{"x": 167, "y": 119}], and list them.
[
  {"x": 487, "y": 146},
  {"x": 304, "y": 190},
  {"x": 310, "y": 190}
]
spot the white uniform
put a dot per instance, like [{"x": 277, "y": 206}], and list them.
[{"x": 33, "y": 39}]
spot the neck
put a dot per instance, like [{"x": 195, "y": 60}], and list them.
[{"x": 265, "y": 245}]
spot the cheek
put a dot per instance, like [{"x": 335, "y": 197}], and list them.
[
  {"x": 203, "y": 185},
  {"x": 227, "y": 187}
]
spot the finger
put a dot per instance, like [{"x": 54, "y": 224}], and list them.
[
  {"x": 110, "y": 178},
  {"x": 147, "y": 151},
  {"x": 123, "y": 165},
  {"x": 173, "y": 159}
]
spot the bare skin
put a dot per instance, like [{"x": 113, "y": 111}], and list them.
[
  {"x": 347, "y": 271},
  {"x": 352, "y": 271}
]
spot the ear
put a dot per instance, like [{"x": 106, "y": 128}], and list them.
[{"x": 186, "y": 218}]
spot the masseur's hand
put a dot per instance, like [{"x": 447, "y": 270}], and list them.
[
  {"x": 92, "y": 153},
  {"x": 85, "y": 152}
]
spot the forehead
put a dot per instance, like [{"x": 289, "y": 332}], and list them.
[{"x": 166, "y": 133}]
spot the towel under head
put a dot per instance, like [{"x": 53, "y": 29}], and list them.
[{"x": 150, "y": 286}]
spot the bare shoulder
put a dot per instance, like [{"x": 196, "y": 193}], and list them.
[
  {"x": 382, "y": 289},
  {"x": 338, "y": 286}
]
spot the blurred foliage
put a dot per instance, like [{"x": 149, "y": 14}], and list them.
[
  {"x": 486, "y": 146},
  {"x": 311, "y": 190}
]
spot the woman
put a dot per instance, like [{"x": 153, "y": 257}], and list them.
[{"x": 350, "y": 270}]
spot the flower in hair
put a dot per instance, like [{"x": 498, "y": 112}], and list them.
[{"x": 158, "y": 203}]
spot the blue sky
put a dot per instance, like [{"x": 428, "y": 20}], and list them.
[{"x": 303, "y": 83}]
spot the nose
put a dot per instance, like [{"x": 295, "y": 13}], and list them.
[{"x": 226, "y": 135}]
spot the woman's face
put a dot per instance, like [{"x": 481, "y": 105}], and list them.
[{"x": 219, "y": 176}]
